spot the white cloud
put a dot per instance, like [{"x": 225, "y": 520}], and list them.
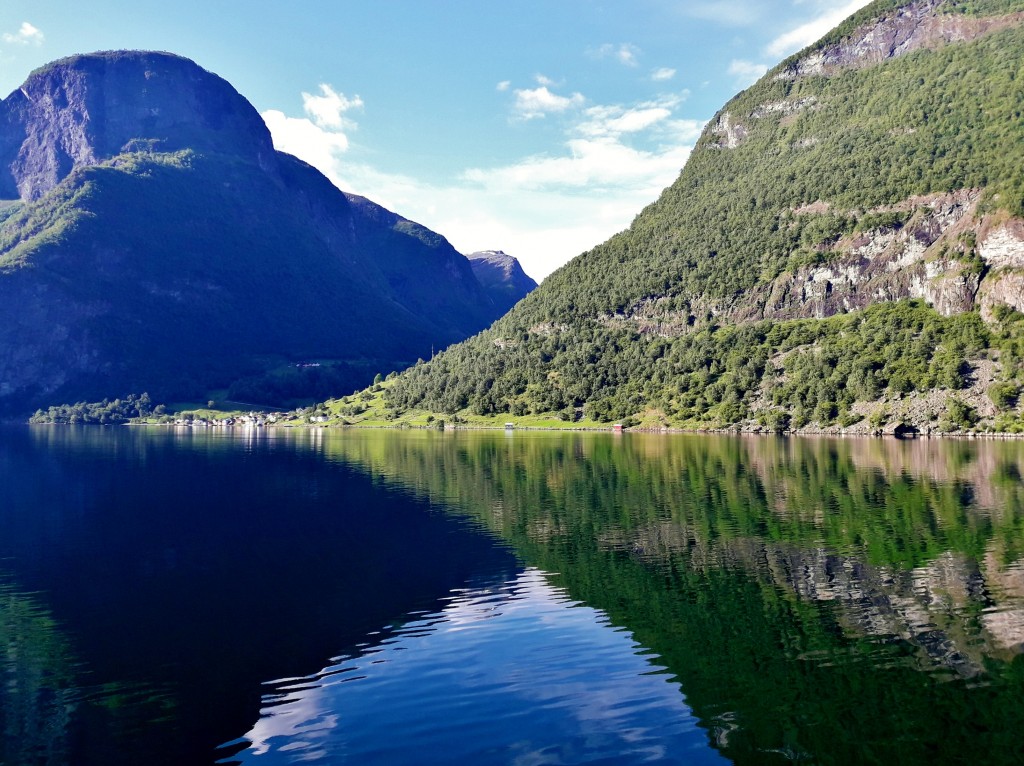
[
  {"x": 746, "y": 72},
  {"x": 319, "y": 138},
  {"x": 624, "y": 53},
  {"x": 503, "y": 85},
  {"x": 615, "y": 120},
  {"x": 543, "y": 225},
  {"x": 305, "y": 139},
  {"x": 537, "y": 102},
  {"x": 807, "y": 33},
  {"x": 635, "y": 120},
  {"x": 328, "y": 109},
  {"x": 26, "y": 35},
  {"x": 592, "y": 164},
  {"x": 661, "y": 74},
  {"x": 547, "y": 82},
  {"x": 547, "y": 208}
]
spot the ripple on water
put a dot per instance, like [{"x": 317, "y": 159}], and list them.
[{"x": 517, "y": 673}]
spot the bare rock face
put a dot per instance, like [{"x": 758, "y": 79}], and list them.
[
  {"x": 907, "y": 29},
  {"x": 1003, "y": 247},
  {"x": 85, "y": 109},
  {"x": 923, "y": 259},
  {"x": 731, "y": 132},
  {"x": 947, "y": 254},
  {"x": 1002, "y": 251}
]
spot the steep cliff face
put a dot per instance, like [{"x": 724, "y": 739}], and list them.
[
  {"x": 152, "y": 239},
  {"x": 82, "y": 110},
  {"x": 946, "y": 252},
  {"x": 502, "y": 277}
]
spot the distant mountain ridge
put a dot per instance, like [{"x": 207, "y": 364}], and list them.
[
  {"x": 843, "y": 250},
  {"x": 153, "y": 239},
  {"x": 502, "y": 277}
]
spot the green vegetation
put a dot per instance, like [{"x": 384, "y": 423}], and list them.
[
  {"x": 814, "y": 369},
  {"x": 723, "y": 226},
  {"x": 41, "y": 672},
  {"x": 982, "y": 7},
  {"x": 129, "y": 408}
]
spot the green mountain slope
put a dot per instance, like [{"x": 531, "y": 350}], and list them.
[
  {"x": 159, "y": 243},
  {"x": 844, "y": 246}
]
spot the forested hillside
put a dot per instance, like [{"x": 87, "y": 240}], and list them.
[{"x": 844, "y": 248}]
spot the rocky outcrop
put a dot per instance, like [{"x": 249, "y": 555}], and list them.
[
  {"x": 1003, "y": 246},
  {"x": 502, "y": 277},
  {"x": 1005, "y": 287},
  {"x": 913, "y": 27},
  {"x": 730, "y": 132},
  {"x": 883, "y": 265},
  {"x": 783, "y": 108},
  {"x": 1002, "y": 251}
]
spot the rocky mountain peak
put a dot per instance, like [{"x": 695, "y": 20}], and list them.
[
  {"x": 501, "y": 276},
  {"x": 89, "y": 108}
]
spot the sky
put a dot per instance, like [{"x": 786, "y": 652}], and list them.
[{"x": 537, "y": 127}]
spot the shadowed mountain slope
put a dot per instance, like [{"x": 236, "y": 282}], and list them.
[{"x": 153, "y": 239}]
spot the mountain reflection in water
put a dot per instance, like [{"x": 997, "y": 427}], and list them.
[
  {"x": 822, "y": 600},
  {"x": 499, "y": 598}
]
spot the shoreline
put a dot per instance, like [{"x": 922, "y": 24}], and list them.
[{"x": 862, "y": 434}]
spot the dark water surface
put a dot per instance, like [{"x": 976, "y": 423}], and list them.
[{"x": 183, "y": 597}]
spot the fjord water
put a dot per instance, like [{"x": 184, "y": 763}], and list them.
[{"x": 177, "y": 596}]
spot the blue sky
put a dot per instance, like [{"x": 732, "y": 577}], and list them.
[{"x": 536, "y": 127}]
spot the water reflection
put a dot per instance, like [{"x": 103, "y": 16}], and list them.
[
  {"x": 810, "y": 600},
  {"x": 49, "y": 700},
  {"x": 514, "y": 673},
  {"x": 176, "y": 572},
  {"x": 827, "y": 600},
  {"x": 37, "y": 696}
]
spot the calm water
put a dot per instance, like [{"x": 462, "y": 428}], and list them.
[{"x": 178, "y": 597}]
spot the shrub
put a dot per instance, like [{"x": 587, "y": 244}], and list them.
[
  {"x": 959, "y": 416},
  {"x": 1003, "y": 395}
]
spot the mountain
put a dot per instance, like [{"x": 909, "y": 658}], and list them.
[
  {"x": 843, "y": 249},
  {"x": 151, "y": 238},
  {"x": 502, "y": 277}
]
